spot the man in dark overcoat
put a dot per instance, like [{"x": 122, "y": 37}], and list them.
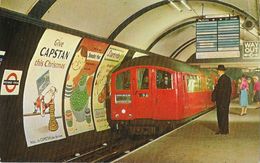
[{"x": 221, "y": 94}]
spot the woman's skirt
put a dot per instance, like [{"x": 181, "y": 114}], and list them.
[{"x": 243, "y": 98}]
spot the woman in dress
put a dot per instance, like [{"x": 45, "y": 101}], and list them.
[{"x": 244, "y": 95}]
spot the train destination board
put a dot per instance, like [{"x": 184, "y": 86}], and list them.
[{"x": 218, "y": 38}]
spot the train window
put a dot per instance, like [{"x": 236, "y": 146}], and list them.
[
  {"x": 143, "y": 78},
  {"x": 163, "y": 79},
  {"x": 198, "y": 86},
  {"x": 193, "y": 83},
  {"x": 123, "y": 81},
  {"x": 190, "y": 83}
]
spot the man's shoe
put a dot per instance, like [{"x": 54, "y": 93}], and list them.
[{"x": 217, "y": 133}]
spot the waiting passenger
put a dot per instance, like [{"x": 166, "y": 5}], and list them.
[
  {"x": 145, "y": 83},
  {"x": 222, "y": 94},
  {"x": 243, "y": 95},
  {"x": 164, "y": 83},
  {"x": 256, "y": 90}
]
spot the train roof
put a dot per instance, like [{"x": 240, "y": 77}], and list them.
[{"x": 161, "y": 61}]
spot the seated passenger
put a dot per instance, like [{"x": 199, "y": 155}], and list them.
[
  {"x": 126, "y": 82},
  {"x": 145, "y": 83},
  {"x": 162, "y": 84},
  {"x": 127, "y": 85}
]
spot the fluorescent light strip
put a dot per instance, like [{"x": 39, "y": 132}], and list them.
[
  {"x": 174, "y": 5},
  {"x": 186, "y": 5},
  {"x": 2, "y": 53}
]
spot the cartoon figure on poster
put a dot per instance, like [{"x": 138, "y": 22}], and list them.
[
  {"x": 76, "y": 67},
  {"x": 101, "y": 92},
  {"x": 75, "y": 92},
  {"x": 45, "y": 100},
  {"x": 77, "y": 95}
]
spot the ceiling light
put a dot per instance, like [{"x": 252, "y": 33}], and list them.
[
  {"x": 186, "y": 5},
  {"x": 174, "y": 5}
]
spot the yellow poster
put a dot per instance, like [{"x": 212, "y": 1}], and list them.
[{"x": 112, "y": 58}]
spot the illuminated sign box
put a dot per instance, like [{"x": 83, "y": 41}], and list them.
[{"x": 218, "y": 37}]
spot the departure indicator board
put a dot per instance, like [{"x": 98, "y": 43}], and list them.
[{"x": 218, "y": 38}]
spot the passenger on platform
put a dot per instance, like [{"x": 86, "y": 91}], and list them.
[
  {"x": 256, "y": 91},
  {"x": 250, "y": 90},
  {"x": 221, "y": 94},
  {"x": 243, "y": 95}
]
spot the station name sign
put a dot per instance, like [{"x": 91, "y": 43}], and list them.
[{"x": 251, "y": 50}]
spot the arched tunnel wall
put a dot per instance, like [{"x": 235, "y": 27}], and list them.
[{"x": 23, "y": 134}]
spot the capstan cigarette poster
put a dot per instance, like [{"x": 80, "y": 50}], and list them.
[
  {"x": 112, "y": 58},
  {"x": 78, "y": 89},
  {"x": 42, "y": 100}
]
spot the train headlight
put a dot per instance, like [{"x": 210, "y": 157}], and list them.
[
  {"x": 117, "y": 115},
  {"x": 123, "y": 111},
  {"x": 130, "y": 115}
]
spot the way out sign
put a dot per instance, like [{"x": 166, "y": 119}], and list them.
[
  {"x": 251, "y": 49},
  {"x": 11, "y": 82}
]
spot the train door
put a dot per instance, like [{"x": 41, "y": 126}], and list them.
[
  {"x": 142, "y": 97},
  {"x": 186, "y": 93},
  {"x": 165, "y": 94},
  {"x": 121, "y": 95},
  {"x": 193, "y": 83},
  {"x": 183, "y": 101}
]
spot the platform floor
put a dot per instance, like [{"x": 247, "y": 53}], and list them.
[{"x": 196, "y": 141}]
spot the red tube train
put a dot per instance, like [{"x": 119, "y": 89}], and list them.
[{"x": 149, "y": 92}]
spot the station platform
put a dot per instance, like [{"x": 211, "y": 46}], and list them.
[{"x": 196, "y": 141}]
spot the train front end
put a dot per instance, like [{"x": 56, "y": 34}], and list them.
[{"x": 121, "y": 98}]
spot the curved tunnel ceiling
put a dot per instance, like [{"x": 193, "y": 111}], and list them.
[
  {"x": 149, "y": 25},
  {"x": 171, "y": 42},
  {"x": 99, "y": 19}
]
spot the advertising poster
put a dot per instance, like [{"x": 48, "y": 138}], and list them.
[
  {"x": 113, "y": 57},
  {"x": 42, "y": 100},
  {"x": 11, "y": 82},
  {"x": 77, "y": 97}
]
